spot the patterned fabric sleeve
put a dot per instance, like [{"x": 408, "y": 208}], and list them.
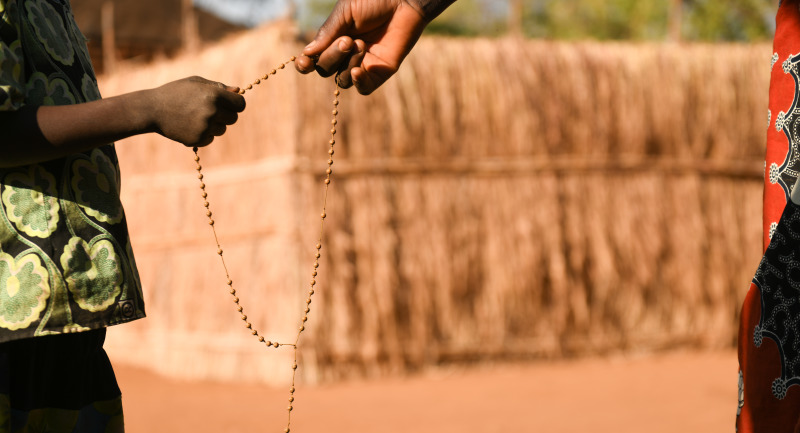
[{"x": 12, "y": 88}]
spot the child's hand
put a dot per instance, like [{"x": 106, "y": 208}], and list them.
[{"x": 194, "y": 110}]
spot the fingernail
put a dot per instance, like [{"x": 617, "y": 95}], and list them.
[
  {"x": 344, "y": 46},
  {"x": 310, "y": 46}
]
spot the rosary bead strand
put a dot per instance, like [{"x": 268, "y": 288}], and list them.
[
  {"x": 229, "y": 282},
  {"x": 266, "y": 76},
  {"x": 318, "y": 246},
  {"x": 317, "y": 255}
]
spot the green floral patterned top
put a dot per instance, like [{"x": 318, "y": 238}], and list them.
[{"x": 65, "y": 258}]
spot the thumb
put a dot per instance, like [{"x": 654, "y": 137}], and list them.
[
  {"x": 223, "y": 86},
  {"x": 332, "y": 28},
  {"x": 365, "y": 81}
]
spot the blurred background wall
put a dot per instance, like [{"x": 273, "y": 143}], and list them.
[{"x": 504, "y": 197}]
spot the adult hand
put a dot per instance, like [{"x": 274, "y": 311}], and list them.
[
  {"x": 365, "y": 39},
  {"x": 194, "y": 110}
]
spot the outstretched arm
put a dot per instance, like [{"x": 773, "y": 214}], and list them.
[
  {"x": 368, "y": 39},
  {"x": 191, "y": 111}
]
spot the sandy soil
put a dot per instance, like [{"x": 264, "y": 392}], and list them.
[{"x": 688, "y": 392}]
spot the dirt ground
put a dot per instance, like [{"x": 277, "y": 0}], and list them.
[{"x": 689, "y": 392}]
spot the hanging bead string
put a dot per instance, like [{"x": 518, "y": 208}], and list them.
[
  {"x": 318, "y": 246},
  {"x": 265, "y": 77}
]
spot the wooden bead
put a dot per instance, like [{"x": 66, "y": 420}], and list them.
[
  {"x": 249, "y": 86},
  {"x": 275, "y": 344}
]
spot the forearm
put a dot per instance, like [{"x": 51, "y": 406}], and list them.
[
  {"x": 37, "y": 134},
  {"x": 430, "y": 9}
]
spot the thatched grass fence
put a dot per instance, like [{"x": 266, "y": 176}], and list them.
[{"x": 497, "y": 200}]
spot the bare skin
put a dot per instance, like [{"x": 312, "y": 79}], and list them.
[
  {"x": 367, "y": 40},
  {"x": 191, "y": 111}
]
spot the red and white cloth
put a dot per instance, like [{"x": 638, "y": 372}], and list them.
[{"x": 769, "y": 333}]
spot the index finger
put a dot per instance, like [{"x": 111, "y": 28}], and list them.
[
  {"x": 332, "y": 28},
  {"x": 331, "y": 60}
]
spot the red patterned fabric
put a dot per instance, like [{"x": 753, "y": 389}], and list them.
[{"x": 769, "y": 395}]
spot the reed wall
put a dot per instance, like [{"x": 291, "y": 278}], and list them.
[{"x": 496, "y": 200}]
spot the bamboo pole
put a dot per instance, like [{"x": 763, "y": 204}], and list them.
[
  {"x": 191, "y": 37},
  {"x": 675, "y": 20},
  {"x": 515, "y": 18},
  {"x": 108, "y": 37}
]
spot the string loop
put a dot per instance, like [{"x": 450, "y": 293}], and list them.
[{"x": 317, "y": 248}]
